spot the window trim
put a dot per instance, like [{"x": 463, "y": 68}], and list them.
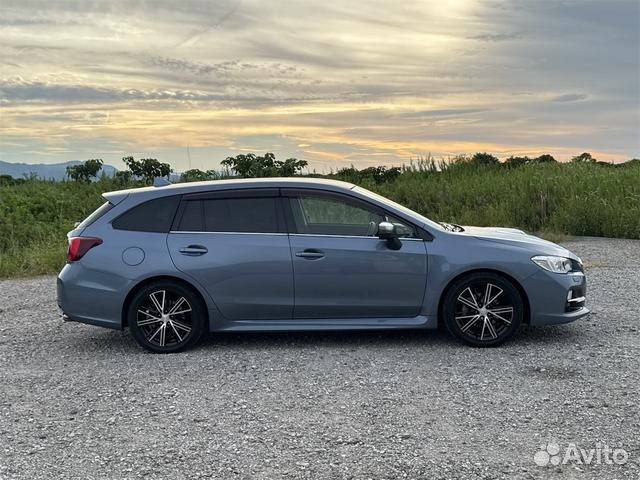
[
  {"x": 361, "y": 237},
  {"x": 233, "y": 193},
  {"x": 286, "y": 224},
  {"x": 226, "y": 233}
]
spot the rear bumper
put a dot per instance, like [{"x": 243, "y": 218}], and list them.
[
  {"x": 95, "y": 298},
  {"x": 548, "y": 297}
]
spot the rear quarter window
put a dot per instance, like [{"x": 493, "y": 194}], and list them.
[
  {"x": 97, "y": 213},
  {"x": 151, "y": 216}
]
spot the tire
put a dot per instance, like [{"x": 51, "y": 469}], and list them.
[
  {"x": 483, "y": 309},
  {"x": 158, "y": 330}
]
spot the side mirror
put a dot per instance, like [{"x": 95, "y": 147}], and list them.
[{"x": 387, "y": 231}]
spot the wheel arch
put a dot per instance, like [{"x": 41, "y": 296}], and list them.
[
  {"x": 158, "y": 278},
  {"x": 523, "y": 294}
]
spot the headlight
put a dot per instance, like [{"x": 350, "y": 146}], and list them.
[{"x": 554, "y": 264}]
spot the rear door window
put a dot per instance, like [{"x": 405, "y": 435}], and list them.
[
  {"x": 244, "y": 215},
  {"x": 229, "y": 215},
  {"x": 191, "y": 219}
]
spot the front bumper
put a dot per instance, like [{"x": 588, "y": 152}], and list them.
[{"x": 549, "y": 299}]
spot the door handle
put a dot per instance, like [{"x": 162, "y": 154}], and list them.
[
  {"x": 310, "y": 253},
  {"x": 193, "y": 250}
]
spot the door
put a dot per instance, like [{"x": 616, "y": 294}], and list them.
[
  {"x": 342, "y": 269},
  {"x": 234, "y": 244}
]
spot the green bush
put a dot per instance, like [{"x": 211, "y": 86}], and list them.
[{"x": 581, "y": 198}]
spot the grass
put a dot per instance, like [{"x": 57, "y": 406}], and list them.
[
  {"x": 570, "y": 199},
  {"x": 552, "y": 198},
  {"x": 34, "y": 218}
]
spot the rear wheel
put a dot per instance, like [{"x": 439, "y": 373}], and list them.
[
  {"x": 483, "y": 309},
  {"x": 166, "y": 317}
]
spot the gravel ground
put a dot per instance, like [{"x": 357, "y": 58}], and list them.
[{"x": 83, "y": 402}]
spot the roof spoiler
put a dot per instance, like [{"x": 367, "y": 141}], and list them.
[
  {"x": 161, "y": 182},
  {"x": 115, "y": 197}
]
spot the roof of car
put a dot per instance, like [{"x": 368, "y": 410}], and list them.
[{"x": 191, "y": 187}]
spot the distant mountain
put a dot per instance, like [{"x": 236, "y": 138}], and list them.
[{"x": 47, "y": 171}]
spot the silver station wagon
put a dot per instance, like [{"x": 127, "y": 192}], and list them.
[{"x": 175, "y": 262}]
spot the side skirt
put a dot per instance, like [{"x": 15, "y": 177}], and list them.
[{"x": 325, "y": 324}]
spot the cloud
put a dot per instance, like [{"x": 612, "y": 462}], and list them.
[
  {"x": 352, "y": 81},
  {"x": 494, "y": 37},
  {"x": 443, "y": 112},
  {"x": 39, "y": 91},
  {"x": 570, "y": 97},
  {"x": 225, "y": 68},
  {"x": 181, "y": 65},
  {"x": 20, "y": 91}
]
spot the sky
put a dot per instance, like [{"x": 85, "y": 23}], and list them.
[{"x": 336, "y": 83}]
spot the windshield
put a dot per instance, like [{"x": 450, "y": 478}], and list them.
[{"x": 402, "y": 208}]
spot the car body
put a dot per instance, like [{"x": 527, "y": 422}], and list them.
[{"x": 285, "y": 254}]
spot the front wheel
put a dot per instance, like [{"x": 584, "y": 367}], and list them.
[
  {"x": 483, "y": 309},
  {"x": 166, "y": 317}
]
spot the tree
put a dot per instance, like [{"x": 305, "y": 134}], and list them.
[
  {"x": 193, "y": 175},
  {"x": 147, "y": 168},
  {"x": 123, "y": 177},
  {"x": 545, "y": 158},
  {"x": 290, "y": 167},
  {"x": 484, "y": 158},
  {"x": 6, "y": 180},
  {"x": 251, "y": 165},
  {"x": 634, "y": 162},
  {"x": 85, "y": 171},
  {"x": 513, "y": 162},
  {"x": 381, "y": 174},
  {"x": 197, "y": 175},
  {"x": 583, "y": 157}
]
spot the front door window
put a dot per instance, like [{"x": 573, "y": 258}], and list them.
[{"x": 328, "y": 215}]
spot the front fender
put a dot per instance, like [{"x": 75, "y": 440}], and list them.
[{"x": 451, "y": 256}]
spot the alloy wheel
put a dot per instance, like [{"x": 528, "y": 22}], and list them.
[
  {"x": 484, "y": 312},
  {"x": 165, "y": 318}
]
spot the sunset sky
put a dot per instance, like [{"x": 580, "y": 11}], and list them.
[{"x": 333, "y": 82}]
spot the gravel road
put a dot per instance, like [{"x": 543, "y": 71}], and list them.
[{"x": 83, "y": 402}]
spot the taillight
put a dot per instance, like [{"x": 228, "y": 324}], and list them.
[{"x": 78, "y": 246}]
